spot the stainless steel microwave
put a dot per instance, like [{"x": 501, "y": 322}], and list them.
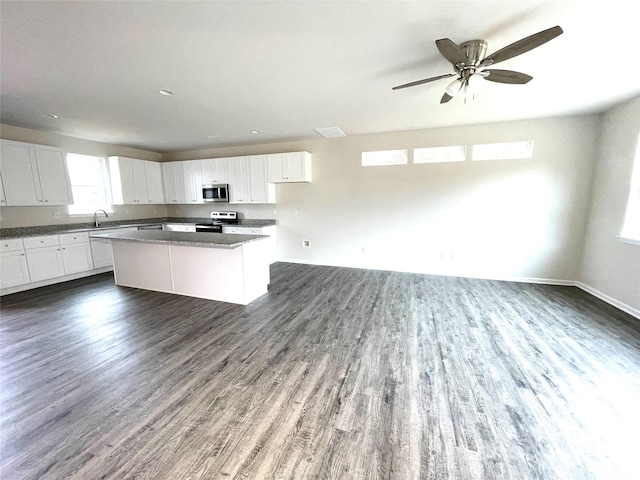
[{"x": 217, "y": 192}]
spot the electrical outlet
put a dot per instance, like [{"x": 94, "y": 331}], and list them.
[
  {"x": 275, "y": 212},
  {"x": 306, "y": 243},
  {"x": 127, "y": 212},
  {"x": 56, "y": 215}
]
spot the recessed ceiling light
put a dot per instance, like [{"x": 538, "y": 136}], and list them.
[
  {"x": 166, "y": 93},
  {"x": 255, "y": 131},
  {"x": 213, "y": 136},
  {"x": 50, "y": 115}
]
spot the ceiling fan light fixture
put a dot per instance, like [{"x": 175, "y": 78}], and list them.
[{"x": 454, "y": 87}]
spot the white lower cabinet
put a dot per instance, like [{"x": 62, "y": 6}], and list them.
[
  {"x": 13, "y": 269},
  {"x": 76, "y": 252},
  {"x": 45, "y": 263},
  {"x": 101, "y": 251}
]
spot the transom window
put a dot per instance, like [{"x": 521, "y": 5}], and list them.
[
  {"x": 384, "y": 157},
  {"x": 440, "y": 154},
  {"x": 503, "y": 151}
]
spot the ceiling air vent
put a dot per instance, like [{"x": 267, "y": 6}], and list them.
[{"x": 330, "y": 132}]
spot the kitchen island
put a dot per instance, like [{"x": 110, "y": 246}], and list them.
[{"x": 215, "y": 266}]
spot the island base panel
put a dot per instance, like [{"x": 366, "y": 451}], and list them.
[
  {"x": 142, "y": 265},
  {"x": 238, "y": 275}
]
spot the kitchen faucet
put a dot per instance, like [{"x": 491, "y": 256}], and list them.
[{"x": 95, "y": 216}]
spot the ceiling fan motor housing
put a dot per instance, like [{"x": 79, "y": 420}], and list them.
[{"x": 475, "y": 51}]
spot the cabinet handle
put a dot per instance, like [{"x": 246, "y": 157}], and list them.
[
  {"x": 22, "y": 254},
  {"x": 47, "y": 201}
]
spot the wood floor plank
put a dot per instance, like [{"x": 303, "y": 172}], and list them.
[{"x": 334, "y": 374}]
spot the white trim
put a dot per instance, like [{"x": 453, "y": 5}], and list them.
[
  {"x": 610, "y": 300},
  {"x": 544, "y": 281},
  {"x": 53, "y": 281}
]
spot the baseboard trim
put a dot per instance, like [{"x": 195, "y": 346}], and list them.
[
  {"x": 610, "y": 300},
  {"x": 543, "y": 281},
  {"x": 53, "y": 281}
]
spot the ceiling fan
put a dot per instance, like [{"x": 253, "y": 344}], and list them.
[{"x": 470, "y": 64}]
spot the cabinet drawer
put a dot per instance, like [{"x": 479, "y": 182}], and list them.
[
  {"x": 11, "y": 245},
  {"x": 242, "y": 230},
  {"x": 67, "y": 238},
  {"x": 44, "y": 241}
]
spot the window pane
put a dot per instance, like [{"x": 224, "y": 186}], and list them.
[
  {"x": 384, "y": 157},
  {"x": 440, "y": 154},
  {"x": 84, "y": 169},
  {"x": 89, "y": 183},
  {"x": 503, "y": 151}
]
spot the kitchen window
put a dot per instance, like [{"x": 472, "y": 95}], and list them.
[
  {"x": 89, "y": 184},
  {"x": 384, "y": 157}
]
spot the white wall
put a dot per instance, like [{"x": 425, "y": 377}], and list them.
[
  {"x": 611, "y": 268},
  {"x": 30, "y": 216},
  {"x": 502, "y": 219}
]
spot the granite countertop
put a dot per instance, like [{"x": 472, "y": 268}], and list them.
[
  {"x": 187, "y": 239},
  {"x": 89, "y": 226}
]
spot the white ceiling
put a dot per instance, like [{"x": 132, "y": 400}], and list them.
[{"x": 286, "y": 68}]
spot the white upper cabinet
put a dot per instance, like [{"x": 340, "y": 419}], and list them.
[
  {"x": 34, "y": 175},
  {"x": 173, "y": 181},
  {"x": 239, "y": 172},
  {"x": 214, "y": 170},
  {"x": 192, "y": 170},
  {"x": 135, "y": 181},
  {"x": 53, "y": 174},
  {"x": 248, "y": 180},
  {"x": 153, "y": 175},
  {"x": 289, "y": 167}
]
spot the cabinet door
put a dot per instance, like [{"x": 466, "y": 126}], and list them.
[
  {"x": 13, "y": 269},
  {"x": 153, "y": 173},
  {"x": 276, "y": 167},
  {"x": 261, "y": 191},
  {"x": 295, "y": 167},
  {"x": 173, "y": 179},
  {"x": 139, "y": 181},
  {"x": 20, "y": 174},
  {"x": 214, "y": 170},
  {"x": 239, "y": 187},
  {"x": 289, "y": 167},
  {"x": 101, "y": 253},
  {"x": 45, "y": 263},
  {"x": 192, "y": 171},
  {"x": 53, "y": 175},
  {"x": 122, "y": 187},
  {"x": 76, "y": 257}
]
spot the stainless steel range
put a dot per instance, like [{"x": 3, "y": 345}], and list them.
[{"x": 218, "y": 220}]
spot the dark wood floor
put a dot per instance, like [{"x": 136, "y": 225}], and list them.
[{"x": 335, "y": 373}]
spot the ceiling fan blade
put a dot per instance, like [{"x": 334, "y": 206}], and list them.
[
  {"x": 451, "y": 51},
  {"x": 426, "y": 80},
  {"x": 522, "y": 46},
  {"x": 507, "y": 76}
]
